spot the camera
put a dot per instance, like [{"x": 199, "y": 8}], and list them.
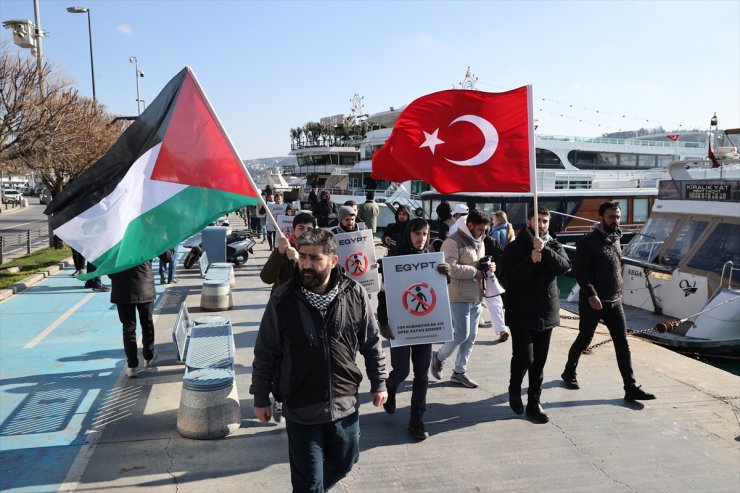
[{"x": 484, "y": 265}]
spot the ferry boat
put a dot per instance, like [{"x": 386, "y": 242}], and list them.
[{"x": 685, "y": 262}]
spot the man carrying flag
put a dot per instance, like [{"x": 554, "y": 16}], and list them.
[{"x": 170, "y": 174}]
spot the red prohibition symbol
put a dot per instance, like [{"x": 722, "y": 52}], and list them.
[
  {"x": 419, "y": 299},
  {"x": 356, "y": 264}
]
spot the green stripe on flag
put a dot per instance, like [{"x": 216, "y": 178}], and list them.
[{"x": 166, "y": 225}]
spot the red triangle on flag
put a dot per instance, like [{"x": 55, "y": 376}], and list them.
[{"x": 195, "y": 151}]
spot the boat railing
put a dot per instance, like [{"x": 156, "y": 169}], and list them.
[
  {"x": 585, "y": 228},
  {"x": 732, "y": 268},
  {"x": 637, "y": 142}
]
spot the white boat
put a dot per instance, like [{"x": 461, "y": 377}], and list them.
[{"x": 685, "y": 262}]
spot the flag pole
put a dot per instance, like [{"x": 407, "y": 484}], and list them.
[
  {"x": 236, "y": 153},
  {"x": 532, "y": 160}
]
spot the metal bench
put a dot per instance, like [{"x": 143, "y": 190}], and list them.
[{"x": 209, "y": 403}]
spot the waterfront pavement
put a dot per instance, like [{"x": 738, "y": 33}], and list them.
[{"x": 72, "y": 422}]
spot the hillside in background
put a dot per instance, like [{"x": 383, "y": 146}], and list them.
[{"x": 258, "y": 168}]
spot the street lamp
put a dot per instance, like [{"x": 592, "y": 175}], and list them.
[
  {"x": 85, "y": 10},
  {"x": 139, "y": 73}
]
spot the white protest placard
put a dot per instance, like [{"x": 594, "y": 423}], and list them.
[
  {"x": 417, "y": 299},
  {"x": 285, "y": 223},
  {"x": 276, "y": 210},
  {"x": 356, "y": 252}
]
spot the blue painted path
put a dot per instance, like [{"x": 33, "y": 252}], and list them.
[{"x": 52, "y": 389}]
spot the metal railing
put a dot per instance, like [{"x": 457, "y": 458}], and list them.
[{"x": 23, "y": 243}]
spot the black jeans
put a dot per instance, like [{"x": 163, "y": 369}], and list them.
[
  {"x": 78, "y": 260},
  {"x": 613, "y": 316},
  {"x": 95, "y": 282},
  {"x": 420, "y": 356},
  {"x": 529, "y": 350},
  {"x": 321, "y": 455},
  {"x": 127, "y": 316}
]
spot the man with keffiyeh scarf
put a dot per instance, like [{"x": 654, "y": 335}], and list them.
[{"x": 305, "y": 352}]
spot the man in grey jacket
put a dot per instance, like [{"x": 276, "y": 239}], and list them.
[
  {"x": 305, "y": 353},
  {"x": 463, "y": 251}
]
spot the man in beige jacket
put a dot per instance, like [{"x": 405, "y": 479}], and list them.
[{"x": 463, "y": 251}]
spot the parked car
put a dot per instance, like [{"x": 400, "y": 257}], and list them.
[
  {"x": 44, "y": 197},
  {"x": 11, "y": 196}
]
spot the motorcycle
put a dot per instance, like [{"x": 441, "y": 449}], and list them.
[{"x": 238, "y": 247}]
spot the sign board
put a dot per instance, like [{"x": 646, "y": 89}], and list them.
[
  {"x": 417, "y": 299},
  {"x": 276, "y": 210},
  {"x": 356, "y": 252},
  {"x": 285, "y": 223},
  {"x": 697, "y": 191}
]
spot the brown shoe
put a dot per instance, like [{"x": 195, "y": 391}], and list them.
[{"x": 503, "y": 337}]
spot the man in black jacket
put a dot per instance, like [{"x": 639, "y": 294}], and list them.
[
  {"x": 531, "y": 265},
  {"x": 132, "y": 291},
  {"x": 305, "y": 353},
  {"x": 598, "y": 270}
]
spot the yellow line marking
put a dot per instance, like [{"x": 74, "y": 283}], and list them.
[{"x": 58, "y": 322}]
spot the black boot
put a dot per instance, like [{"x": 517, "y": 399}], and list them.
[
  {"x": 535, "y": 411},
  {"x": 635, "y": 393},
  {"x": 569, "y": 379},
  {"x": 390, "y": 403},
  {"x": 515, "y": 402},
  {"x": 418, "y": 430}
]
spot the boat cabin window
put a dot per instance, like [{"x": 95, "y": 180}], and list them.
[
  {"x": 639, "y": 210},
  {"x": 685, "y": 239},
  {"x": 645, "y": 245},
  {"x": 723, "y": 244},
  {"x": 547, "y": 159}
]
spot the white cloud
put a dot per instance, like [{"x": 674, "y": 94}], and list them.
[{"x": 124, "y": 29}]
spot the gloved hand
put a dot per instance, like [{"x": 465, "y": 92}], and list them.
[
  {"x": 385, "y": 331},
  {"x": 445, "y": 269}
]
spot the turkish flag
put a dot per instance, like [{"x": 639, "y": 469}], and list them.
[
  {"x": 673, "y": 137},
  {"x": 462, "y": 141}
]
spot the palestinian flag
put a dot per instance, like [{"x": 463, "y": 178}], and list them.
[{"x": 170, "y": 174}]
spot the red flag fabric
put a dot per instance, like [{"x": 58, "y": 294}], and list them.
[
  {"x": 462, "y": 141},
  {"x": 710, "y": 154},
  {"x": 673, "y": 137}
]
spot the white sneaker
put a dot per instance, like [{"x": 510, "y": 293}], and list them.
[
  {"x": 132, "y": 372},
  {"x": 148, "y": 363}
]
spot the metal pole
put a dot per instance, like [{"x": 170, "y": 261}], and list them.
[
  {"x": 92, "y": 63},
  {"x": 28, "y": 241},
  {"x": 2, "y": 247},
  {"x": 39, "y": 58},
  {"x": 136, "y": 75}
]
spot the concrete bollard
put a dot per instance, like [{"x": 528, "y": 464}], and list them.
[
  {"x": 209, "y": 404},
  {"x": 216, "y": 295}
]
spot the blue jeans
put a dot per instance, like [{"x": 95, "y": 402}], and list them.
[
  {"x": 465, "y": 317},
  {"x": 321, "y": 455},
  {"x": 170, "y": 269}
]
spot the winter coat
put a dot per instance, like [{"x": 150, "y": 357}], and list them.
[
  {"x": 133, "y": 286},
  {"x": 463, "y": 255},
  {"x": 501, "y": 234},
  {"x": 323, "y": 209},
  {"x": 308, "y": 361},
  {"x": 494, "y": 250},
  {"x": 369, "y": 212},
  {"x": 598, "y": 265},
  {"x": 532, "y": 298},
  {"x": 278, "y": 270},
  {"x": 395, "y": 231}
]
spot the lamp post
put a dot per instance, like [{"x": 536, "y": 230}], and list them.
[
  {"x": 139, "y": 73},
  {"x": 85, "y": 10}
]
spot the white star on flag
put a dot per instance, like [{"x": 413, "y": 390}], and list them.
[{"x": 431, "y": 141}]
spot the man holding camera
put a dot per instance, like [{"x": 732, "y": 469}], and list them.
[
  {"x": 531, "y": 265},
  {"x": 464, "y": 251}
]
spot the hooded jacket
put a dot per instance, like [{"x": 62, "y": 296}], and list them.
[
  {"x": 395, "y": 231},
  {"x": 323, "y": 209},
  {"x": 308, "y": 361},
  {"x": 463, "y": 253},
  {"x": 532, "y": 298}
]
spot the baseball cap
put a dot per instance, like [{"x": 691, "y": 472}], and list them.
[{"x": 461, "y": 209}]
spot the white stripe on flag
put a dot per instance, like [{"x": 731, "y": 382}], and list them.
[{"x": 103, "y": 225}]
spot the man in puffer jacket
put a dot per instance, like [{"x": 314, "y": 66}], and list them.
[
  {"x": 324, "y": 209},
  {"x": 311, "y": 331},
  {"x": 463, "y": 251},
  {"x": 531, "y": 265}
]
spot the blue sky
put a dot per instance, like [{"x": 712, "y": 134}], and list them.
[{"x": 270, "y": 66}]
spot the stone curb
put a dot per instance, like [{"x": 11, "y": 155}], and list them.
[{"x": 34, "y": 279}]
